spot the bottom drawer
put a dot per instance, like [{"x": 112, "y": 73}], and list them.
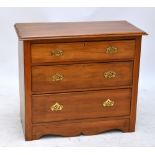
[{"x": 80, "y": 105}]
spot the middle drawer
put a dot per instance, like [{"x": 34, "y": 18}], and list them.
[{"x": 81, "y": 76}]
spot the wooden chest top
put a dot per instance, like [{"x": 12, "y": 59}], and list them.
[{"x": 66, "y": 30}]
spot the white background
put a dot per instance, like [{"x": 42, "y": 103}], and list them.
[{"x": 10, "y": 128}]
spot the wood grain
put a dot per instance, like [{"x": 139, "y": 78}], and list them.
[
  {"x": 25, "y": 88},
  {"x": 82, "y": 51},
  {"x": 80, "y": 105},
  {"x": 135, "y": 84},
  {"x": 81, "y": 76},
  {"x": 66, "y": 30},
  {"x": 75, "y": 128}
]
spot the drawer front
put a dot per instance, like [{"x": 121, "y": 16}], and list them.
[
  {"x": 81, "y": 76},
  {"x": 83, "y": 51},
  {"x": 90, "y": 104}
]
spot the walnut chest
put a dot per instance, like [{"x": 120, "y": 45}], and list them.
[{"x": 78, "y": 77}]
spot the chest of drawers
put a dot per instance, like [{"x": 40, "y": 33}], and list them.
[{"x": 78, "y": 78}]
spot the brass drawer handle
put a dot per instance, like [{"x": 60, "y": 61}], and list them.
[
  {"x": 108, "y": 103},
  {"x": 111, "y": 50},
  {"x": 109, "y": 74},
  {"x": 57, "y": 77},
  {"x": 57, "y": 52},
  {"x": 56, "y": 107}
]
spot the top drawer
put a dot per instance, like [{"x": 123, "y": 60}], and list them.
[{"x": 82, "y": 51}]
